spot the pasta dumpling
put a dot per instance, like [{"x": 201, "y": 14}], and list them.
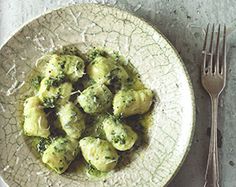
[
  {"x": 69, "y": 65},
  {"x": 99, "y": 68},
  {"x": 99, "y": 153},
  {"x": 54, "y": 67},
  {"x": 47, "y": 92},
  {"x": 104, "y": 70},
  {"x": 106, "y": 87},
  {"x": 131, "y": 102},
  {"x": 72, "y": 120},
  {"x": 121, "y": 136},
  {"x": 65, "y": 92},
  {"x": 74, "y": 67},
  {"x": 95, "y": 99},
  {"x": 35, "y": 123},
  {"x": 51, "y": 93},
  {"x": 60, "y": 153}
]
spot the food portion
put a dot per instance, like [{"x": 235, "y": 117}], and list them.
[
  {"x": 121, "y": 136},
  {"x": 65, "y": 65},
  {"x": 99, "y": 153},
  {"x": 95, "y": 99},
  {"x": 35, "y": 123},
  {"x": 93, "y": 102},
  {"x": 72, "y": 120},
  {"x": 131, "y": 102},
  {"x": 60, "y": 153},
  {"x": 52, "y": 92},
  {"x": 104, "y": 70}
]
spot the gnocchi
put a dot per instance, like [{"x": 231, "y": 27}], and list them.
[
  {"x": 77, "y": 106},
  {"x": 60, "y": 153},
  {"x": 72, "y": 120},
  {"x": 104, "y": 70},
  {"x": 99, "y": 153},
  {"x": 131, "y": 102},
  {"x": 35, "y": 123},
  {"x": 95, "y": 99},
  {"x": 69, "y": 65},
  {"x": 51, "y": 93},
  {"x": 121, "y": 136}
]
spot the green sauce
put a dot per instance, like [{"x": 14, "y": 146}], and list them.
[{"x": 139, "y": 123}]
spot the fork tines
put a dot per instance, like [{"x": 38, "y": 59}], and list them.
[{"x": 218, "y": 65}]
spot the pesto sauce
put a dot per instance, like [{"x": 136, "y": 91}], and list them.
[
  {"x": 147, "y": 120},
  {"x": 79, "y": 166},
  {"x": 140, "y": 123},
  {"x": 94, "y": 173}
]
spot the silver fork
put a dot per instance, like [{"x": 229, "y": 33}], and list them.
[{"x": 213, "y": 80}]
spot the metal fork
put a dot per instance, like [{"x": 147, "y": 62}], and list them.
[{"x": 213, "y": 80}]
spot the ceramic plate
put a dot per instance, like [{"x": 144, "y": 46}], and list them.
[{"x": 156, "y": 60}]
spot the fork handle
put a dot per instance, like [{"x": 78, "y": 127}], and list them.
[{"x": 212, "y": 170}]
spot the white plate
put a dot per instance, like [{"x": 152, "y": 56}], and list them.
[{"x": 160, "y": 67}]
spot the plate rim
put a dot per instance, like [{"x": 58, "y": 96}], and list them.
[
  {"x": 190, "y": 85},
  {"x": 155, "y": 28}
]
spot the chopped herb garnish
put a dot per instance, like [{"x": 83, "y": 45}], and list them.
[
  {"x": 79, "y": 66},
  {"x": 49, "y": 102},
  {"x": 129, "y": 80},
  {"x": 116, "y": 55},
  {"x": 95, "y": 52},
  {"x": 119, "y": 139},
  {"x": 110, "y": 158},
  {"x": 93, "y": 171},
  {"x": 55, "y": 81},
  {"x": 43, "y": 144},
  {"x": 62, "y": 64},
  {"x": 36, "y": 82}
]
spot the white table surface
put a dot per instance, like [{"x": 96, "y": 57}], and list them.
[{"x": 182, "y": 22}]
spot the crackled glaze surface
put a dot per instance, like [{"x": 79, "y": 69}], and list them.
[{"x": 161, "y": 70}]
